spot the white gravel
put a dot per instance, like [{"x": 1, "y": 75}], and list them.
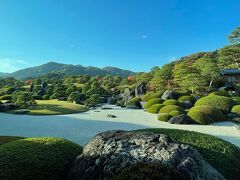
[{"x": 83, "y": 126}]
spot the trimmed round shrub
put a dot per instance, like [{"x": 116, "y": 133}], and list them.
[
  {"x": 164, "y": 117},
  {"x": 152, "y": 102},
  {"x": 200, "y": 117},
  {"x": 220, "y": 102},
  {"x": 220, "y": 93},
  {"x": 176, "y": 113},
  {"x": 38, "y": 158},
  {"x": 236, "y": 109},
  {"x": 151, "y": 95},
  {"x": 169, "y": 108},
  {"x": 187, "y": 98},
  {"x": 135, "y": 102},
  {"x": 149, "y": 171},
  {"x": 212, "y": 112},
  {"x": 6, "y": 97},
  {"x": 172, "y": 102},
  {"x": 155, "y": 108},
  {"x": 236, "y": 100}
]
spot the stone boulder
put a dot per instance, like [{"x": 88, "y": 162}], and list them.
[
  {"x": 181, "y": 119},
  {"x": 110, "y": 153},
  {"x": 169, "y": 95}
]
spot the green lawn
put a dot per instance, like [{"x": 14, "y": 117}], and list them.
[
  {"x": 55, "y": 107},
  {"x": 222, "y": 155},
  {"x": 6, "y": 139}
]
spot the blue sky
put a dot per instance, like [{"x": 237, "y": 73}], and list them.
[{"x": 130, "y": 34}]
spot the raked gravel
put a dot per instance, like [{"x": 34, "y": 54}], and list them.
[{"x": 81, "y": 127}]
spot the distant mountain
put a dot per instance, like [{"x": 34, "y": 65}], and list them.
[
  {"x": 3, "y": 74},
  {"x": 68, "y": 69}
]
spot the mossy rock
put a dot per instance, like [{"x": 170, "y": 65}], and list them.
[
  {"x": 187, "y": 98},
  {"x": 220, "y": 102},
  {"x": 212, "y": 112},
  {"x": 176, "y": 113},
  {"x": 38, "y": 158},
  {"x": 164, "y": 117},
  {"x": 169, "y": 108},
  {"x": 155, "y": 108},
  {"x": 172, "y": 102},
  {"x": 200, "y": 117},
  {"x": 236, "y": 109},
  {"x": 152, "y": 102}
]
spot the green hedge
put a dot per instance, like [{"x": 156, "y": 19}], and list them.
[
  {"x": 236, "y": 100},
  {"x": 6, "y": 97},
  {"x": 187, "y": 98},
  {"x": 222, "y": 155},
  {"x": 220, "y": 93},
  {"x": 220, "y": 102},
  {"x": 38, "y": 158},
  {"x": 169, "y": 108},
  {"x": 200, "y": 117},
  {"x": 135, "y": 102},
  {"x": 151, "y": 95},
  {"x": 164, "y": 117},
  {"x": 212, "y": 112},
  {"x": 155, "y": 108},
  {"x": 176, "y": 113},
  {"x": 172, "y": 102},
  {"x": 236, "y": 109},
  {"x": 152, "y": 102}
]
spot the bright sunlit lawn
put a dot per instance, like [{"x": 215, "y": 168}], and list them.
[{"x": 55, "y": 107}]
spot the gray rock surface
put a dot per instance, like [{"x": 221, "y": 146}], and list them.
[
  {"x": 108, "y": 153},
  {"x": 181, "y": 119},
  {"x": 169, "y": 95}
]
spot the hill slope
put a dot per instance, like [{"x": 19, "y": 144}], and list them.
[{"x": 68, "y": 69}]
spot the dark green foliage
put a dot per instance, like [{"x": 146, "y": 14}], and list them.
[
  {"x": 151, "y": 95},
  {"x": 152, "y": 102},
  {"x": 220, "y": 93},
  {"x": 236, "y": 99},
  {"x": 55, "y": 96},
  {"x": 149, "y": 171},
  {"x": 200, "y": 117},
  {"x": 222, "y": 155},
  {"x": 37, "y": 97},
  {"x": 236, "y": 109},
  {"x": 155, "y": 108},
  {"x": 37, "y": 158},
  {"x": 135, "y": 102},
  {"x": 6, "y": 97},
  {"x": 46, "y": 97},
  {"x": 23, "y": 99},
  {"x": 76, "y": 97},
  {"x": 176, "y": 113},
  {"x": 220, "y": 102},
  {"x": 172, "y": 102},
  {"x": 169, "y": 108},
  {"x": 7, "y": 139},
  {"x": 92, "y": 101},
  {"x": 214, "y": 113},
  {"x": 164, "y": 117}
]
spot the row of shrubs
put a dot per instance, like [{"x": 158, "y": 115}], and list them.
[{"x": 212, "y": 108}]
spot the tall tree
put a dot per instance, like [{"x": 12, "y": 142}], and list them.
[{"x": 234, "y": 37}]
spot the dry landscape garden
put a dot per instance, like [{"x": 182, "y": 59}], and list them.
[{"x": 178, "y": 121}]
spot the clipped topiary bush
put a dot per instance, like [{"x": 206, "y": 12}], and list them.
[
  {"x": 212, "y": 112},
  {"x": 152, "y": 102},
  {"x": 176, "y": 113},
  {"x": 155, "y": 108},
  {"x": 135, "y": 102},
  {"x": 187, "y": 98},
  {"x": 151, "y": 95},
  {"x": 172, "y": 102},
  {"x": 169, "y": 108},
  {"x": 38, "y": 158},
  {"x": 164, "y": 117},
  {"x": 236, "y": 109},
  {"x": 200, "y": 117},
  {"x": 220, "y": 93},
  {"x": 149, "y": 171},
  {"x": 220, "y": 102}
]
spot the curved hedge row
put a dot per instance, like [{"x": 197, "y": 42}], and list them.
[
  {"x": 152, "y": 102},
  {"x": 175, "y": 113},
  {"x": 164, "y": 117},
  {"x": 172, "y": 102},
  {"x": 152, "y": 95},
  {"x": 169, "y": 108},
  {"x": 41, "y": 158},
  {"x": 220, "y": 102},
  {"x": 155, "y": 108},
  {"x": 200, "y": 117},
  {"x": 187, "y": 98}
]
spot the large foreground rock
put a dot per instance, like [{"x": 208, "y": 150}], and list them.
[{"x": 109, "y": 153}]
